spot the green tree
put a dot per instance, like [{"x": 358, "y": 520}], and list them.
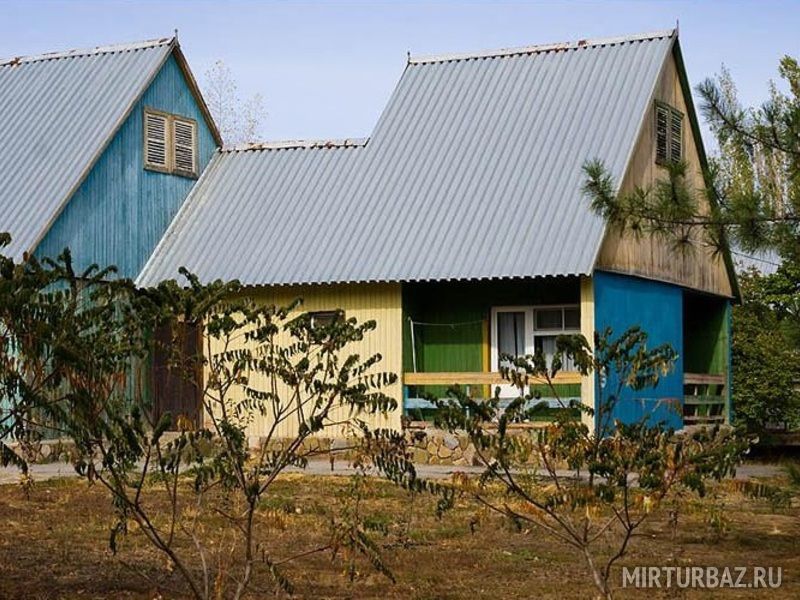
[
  {"x": 70, "y": 348},
  {"x": 766, "y": 376},
  {"x": 752, "y": 197},
  {"x": 53, "y": 321}
]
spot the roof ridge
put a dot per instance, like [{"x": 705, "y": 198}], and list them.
[
  {"x": 553, "y": 47},
  {"x": 298, "y": 144},
  {"x": 83, "y": 52}
]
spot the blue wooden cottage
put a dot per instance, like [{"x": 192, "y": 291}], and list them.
[{"x": 98, "y": 150}]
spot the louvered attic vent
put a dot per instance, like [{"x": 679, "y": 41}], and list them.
[
  {"x": 184, "y": 145},
  {"x": 170, "y": 143},
  {"x": 669, "y": 134}
]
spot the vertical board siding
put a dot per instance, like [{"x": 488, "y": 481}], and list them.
[
  {"x": 700, "y": 268},
  {"x": 622, "y": 302},
  {"x": 120, "y": 211},
  {"x": 452, "y": 330},
  {"x": 587, "y": 330},
  {"x": 378, "y": 302},
  {"x": 705, "y": 334}
]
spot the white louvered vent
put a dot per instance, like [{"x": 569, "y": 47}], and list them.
[
  {"x": 155, "y": 141},
  {"x": 669, "y": 134},
  {"x": 184, "y": 144}
]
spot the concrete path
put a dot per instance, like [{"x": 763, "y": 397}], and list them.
[{"x": 43, "y": 472}]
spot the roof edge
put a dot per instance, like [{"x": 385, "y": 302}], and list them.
[
  {"x": 172, "y": 43},
  {"x": 183, "y": 64},
  {"x": 82, "y": 52},
  {"x": 506, "y": 52},
  {"x": 143, "y": 278},
  {"x": 321, "y": 144},
  {"x": 632, "y": 150},
  {"x": 686, "y": 88}
]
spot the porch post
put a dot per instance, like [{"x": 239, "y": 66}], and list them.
[{"x": 587, "y": 329}]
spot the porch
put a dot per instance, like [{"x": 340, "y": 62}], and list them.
[
  {"x": 454, "y": 333},
  {"x": 704, "y": 402}
]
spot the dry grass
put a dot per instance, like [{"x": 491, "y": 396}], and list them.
[{"x": 54, "y": 544}]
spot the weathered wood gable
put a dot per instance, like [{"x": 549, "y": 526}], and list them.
[
  {"x": 698, "y": 268},
  {"x": 121, "y": 210}
]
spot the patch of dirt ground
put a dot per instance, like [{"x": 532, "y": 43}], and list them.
[{"x": 54, "y": 544}]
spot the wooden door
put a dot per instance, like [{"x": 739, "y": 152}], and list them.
[{"x": 177, "y": 373}]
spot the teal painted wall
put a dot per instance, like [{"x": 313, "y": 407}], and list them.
[
  {"x": 622, "y": 302},
  {"x": 120, "y": 211}
]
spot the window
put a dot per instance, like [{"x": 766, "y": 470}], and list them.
[
  {"x": 669, "y": 134},
  {"x": 552, "y": 322},
  {"x": 325, "y": 318},
  {"x": 170, "y": 143},
  {"x": 519, "y": 330}
]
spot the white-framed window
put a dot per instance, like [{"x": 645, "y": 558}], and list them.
[
  {"x": 519, "y": 330},
  {"x": 170, "y": 143}
]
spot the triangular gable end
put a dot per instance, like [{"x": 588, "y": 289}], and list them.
[
  {"x": 648, "y": 257},
  {"x": 26, "y": 242}
]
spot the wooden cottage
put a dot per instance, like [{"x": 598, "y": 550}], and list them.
[
  {"x": 459, "y": 225},
  {"x": 98, "y": 150}
]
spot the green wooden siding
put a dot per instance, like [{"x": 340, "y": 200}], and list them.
[
  {"x": 452, "y": 322},
  {"x": 449, "y": 335},
  {"x": 120, "y": 211},
  {"x": 705, "y": 334}
]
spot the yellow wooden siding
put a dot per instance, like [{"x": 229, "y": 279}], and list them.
[
  {"x": 587, "y": 329},
  {"x": 379, "y": 302},
  {"x": 654, "y": 258}
]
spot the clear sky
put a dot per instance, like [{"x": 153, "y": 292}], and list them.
[{"x": 327, "y": 69}]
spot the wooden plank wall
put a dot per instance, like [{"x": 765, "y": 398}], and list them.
[
  {"x": 653, "y": 258},
  {"x": 120, "y": 211},
  {"x": 381, "y": 302}
]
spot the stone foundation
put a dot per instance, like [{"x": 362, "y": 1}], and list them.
[
  {"x": 45, "y": 451},
  {"x": 427, "y": 444}
]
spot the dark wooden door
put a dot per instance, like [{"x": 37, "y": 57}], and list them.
[{"x": 177, "y": 373}]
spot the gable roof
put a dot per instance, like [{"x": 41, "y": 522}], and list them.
[
  {"x": 58, "y": 112},
  {"x": 474, "y": 171}
]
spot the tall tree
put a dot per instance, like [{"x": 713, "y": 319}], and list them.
[
  {"x": 753, "y": 184},
  {"x": 239, "y": 121}
]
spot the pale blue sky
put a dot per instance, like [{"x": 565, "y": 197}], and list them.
[{"x": 327, "y": 69}]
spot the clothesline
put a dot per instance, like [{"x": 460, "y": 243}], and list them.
[{"x": 413, "y": 322}]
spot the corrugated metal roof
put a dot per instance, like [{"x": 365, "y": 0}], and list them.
[
  {"x": 57, "y": 113},
  {"x": 473, "y": 171}
]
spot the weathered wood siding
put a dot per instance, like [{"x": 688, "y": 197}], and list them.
[
  {"x": 120, "y": 211},
  {"x": 379, "y": 302},
  {"x": 653, "y": 258}
]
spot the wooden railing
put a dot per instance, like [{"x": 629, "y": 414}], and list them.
[
  {"x": 705, "y": 398},
  {"x": 488, "y": 378},
  {"x": 704, "y": 379}
]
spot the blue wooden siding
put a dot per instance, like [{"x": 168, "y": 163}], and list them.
[
  {"x": 622, "y": 302},
  {"x": 120, "y": 211}
]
